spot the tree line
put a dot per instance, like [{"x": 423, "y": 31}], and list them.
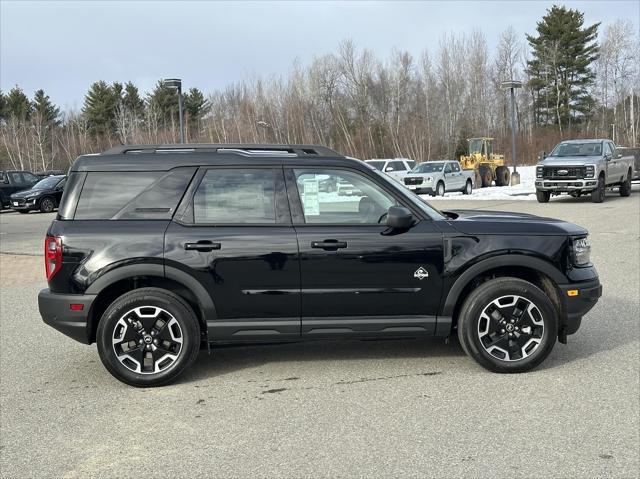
[{"x": 578, "y": 81}]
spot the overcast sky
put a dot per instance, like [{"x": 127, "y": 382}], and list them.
[{"x": 65, "y": 46}]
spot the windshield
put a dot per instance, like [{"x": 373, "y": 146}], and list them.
[
  {"x": 47, "y": 183},
  {"x": 376, "y": 164},
  {"x": 577, "y": 149},
  {"x": 428, "y": 167}
]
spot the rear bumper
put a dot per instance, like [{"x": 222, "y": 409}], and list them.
[
  {"x": 567, "y": 185},
  {"x": 55, "y": 310},
  {"x": 577, "y": 306}
]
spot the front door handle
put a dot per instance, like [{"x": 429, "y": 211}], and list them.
[
  {"x": 329, "y": 245},
  {"x": 202, "y": 245}
]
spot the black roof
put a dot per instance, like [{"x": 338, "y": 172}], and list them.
[{"x": 166, "y": 157}]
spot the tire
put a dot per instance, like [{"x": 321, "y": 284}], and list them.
[
  {"x": 543, "y": 196},
  {"x": 468, "y": 188},
  {"x": 597, "y": 195},
  {"x": 157, "y": 311},
  {"x": 477, "y": 182},
  {"x": 487, "y": 339},
  {"x": 503, "y": 175},
  {"x": 47, "y": 204},
  {"x": 486, "y": 175},
  {"x": 440, "y": 189},
  {"x": 625, "y": 186}
]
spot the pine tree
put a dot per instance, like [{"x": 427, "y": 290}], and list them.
[
  {"x": 132, "y": 101},
  {"x": 3, "y": 107},
  {"x": 560, "y": 67},
  {"x": 195, "y": 107},
  {"x": 99, "y": 108},
  {"x": 46, "y": 110},
  {"x": 18, "y": 105},
  {"x": 165, "y": 101}
]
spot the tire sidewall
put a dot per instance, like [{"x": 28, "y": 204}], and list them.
[
  {"x": 148, "y": 297},
  {"x": 46, "y": 201},
  {"x": 468, "y": 188},
  {"x": 440, "y": 189},
  {"x": 492, "y": 290}
]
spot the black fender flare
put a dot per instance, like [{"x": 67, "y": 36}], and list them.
[
  {"x": 205, "y": 301},
  {"x": 522, "y": 260}
]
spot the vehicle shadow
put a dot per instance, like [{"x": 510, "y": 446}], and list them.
[{"x": 598, "y": 334}]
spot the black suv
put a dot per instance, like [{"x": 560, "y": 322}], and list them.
[
  {"x": 159, "y": 250},
  {"x": 44, "y": 196}
]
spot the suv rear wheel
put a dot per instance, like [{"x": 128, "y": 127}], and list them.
[
  {"x": 508, "y": 325},
  {"x": 148, "y": 337}
]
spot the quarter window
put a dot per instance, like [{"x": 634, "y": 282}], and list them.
[
  {"x": 236, "y": 196},
  {"x": 341, "y": 197}
]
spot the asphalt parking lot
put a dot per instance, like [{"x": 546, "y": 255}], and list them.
[{"x": 369, "y": 409}]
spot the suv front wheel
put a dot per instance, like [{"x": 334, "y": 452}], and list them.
[
  {"x": 148, "y": 337},
  {"x": 508, "y": 325}
]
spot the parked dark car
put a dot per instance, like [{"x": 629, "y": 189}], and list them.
[
  {"x": 44, "y": 196},
  {"x": 12, "y": 181},
  {"x": 158, "y": 250}
]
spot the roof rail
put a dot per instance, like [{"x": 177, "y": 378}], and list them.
[{"x": 237, "y": 148}]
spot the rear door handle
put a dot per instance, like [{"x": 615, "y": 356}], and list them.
[
  {"x": 202, "y": 245},
  {"x": 329, "y": 245}
]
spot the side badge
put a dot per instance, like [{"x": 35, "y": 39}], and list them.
[{"x": 421, "y": 273}]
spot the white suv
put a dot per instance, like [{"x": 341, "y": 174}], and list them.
[{"x": 397, "y": 168}]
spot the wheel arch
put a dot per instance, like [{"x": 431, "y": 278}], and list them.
[
  {"x": 128, "y": 278},
  {"x": 535, "y": 270}
]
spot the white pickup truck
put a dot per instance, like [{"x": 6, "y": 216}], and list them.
[
  {"x": 437, "y": 177},
  {"x": 581, "y": 167}
]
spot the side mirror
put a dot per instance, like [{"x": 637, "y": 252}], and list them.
[
  {"x": 542, "y": 155},
  {"x": 607, "y": 157},
  {"x": 389, "y": 168},
  {"x": 398, "y": 217}
]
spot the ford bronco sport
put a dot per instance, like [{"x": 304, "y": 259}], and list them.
[{"x": 159, "y": 250}]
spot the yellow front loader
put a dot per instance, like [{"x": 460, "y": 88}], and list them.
[{"x": 487, "y": 165}]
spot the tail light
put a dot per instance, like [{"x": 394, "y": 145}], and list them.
[{"x": 52, "y": 255}]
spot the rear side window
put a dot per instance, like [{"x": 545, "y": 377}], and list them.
[
  {"x": 235, "y": 196},
  {"x": 397, "y": 165},
  {"x": 134, "y": 195}
]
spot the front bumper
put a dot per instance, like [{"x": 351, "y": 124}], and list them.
[
  {"x": 56, "y": 311},
  {"x": 22, "y": 205},
  {"x": 567, "y": 185},
  {"x": 425, "y": 188},
  {"x": 578, "y": 299}
]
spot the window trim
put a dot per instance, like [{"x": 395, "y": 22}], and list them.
[
  {"x": 184, "y": 214},
  {"x": 297, "y": 212}
]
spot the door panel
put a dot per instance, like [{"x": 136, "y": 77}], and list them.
[
  {"x": 235, "y": 237},
  {"x": 358, "y": 276}
]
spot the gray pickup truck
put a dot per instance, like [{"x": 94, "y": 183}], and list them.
[
  {"x": 437, "y": 177},
  {"x": 581, "y": 167}
]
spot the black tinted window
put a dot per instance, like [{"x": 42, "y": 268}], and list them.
[
  {"x": 397, "y": 165},
  {"x": 235, "y": 196},
  {"x": 159, "y": 200},
  {"x": 104, "y": 194}
]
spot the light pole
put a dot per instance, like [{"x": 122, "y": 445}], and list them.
[
  {"x": 512, "y": 85},
  {"x": 176, "y": 84}
]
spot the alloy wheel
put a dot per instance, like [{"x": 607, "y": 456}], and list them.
[
  {"x": 147, "y": 340},
  {"x": 511, "y": 328}
]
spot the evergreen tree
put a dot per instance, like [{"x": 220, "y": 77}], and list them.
[
  {"x": 46, "y": 110},
  {"x": 99, "y": 108},
  {"x": 165, "y": 101},
  {"x": 195, "y": 106},
  {"x": 18, "y": 105},
  {"x": 3, "y": 107},
  {"x": 560, "y": 67},
  {"x": 132, "y": 101}
]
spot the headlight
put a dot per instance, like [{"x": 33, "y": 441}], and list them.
[
  {"x": 539, "y": 171},
  {"x": 581, "y": 252},
  {"x": 590, "y": 171}
]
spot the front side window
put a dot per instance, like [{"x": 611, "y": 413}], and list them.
[
  {"x": 236, "y": 196},
  {"x": 447, "y": 169},
  {"x": 356, "y": 200},
  {"x": 377, "y": 164},
  {"x": 397, "y": 166},
  {"x": 428, "y": 167},
  {"x": 455, "y": 166},
  {"x": 30, "y": 178}
]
